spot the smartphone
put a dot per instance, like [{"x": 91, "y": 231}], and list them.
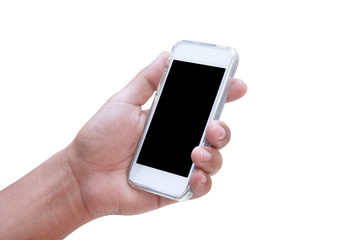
[{"x": 191, "y": 93}]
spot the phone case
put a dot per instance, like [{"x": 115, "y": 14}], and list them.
[{"x": 215, "y": 113}]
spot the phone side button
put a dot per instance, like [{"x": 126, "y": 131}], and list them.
[{"x": 162, "y": 79}]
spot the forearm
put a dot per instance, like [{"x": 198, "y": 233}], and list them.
[{"x": 44, "y": 204}]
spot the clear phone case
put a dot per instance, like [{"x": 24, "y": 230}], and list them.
[{"x": 215, "y": 113}]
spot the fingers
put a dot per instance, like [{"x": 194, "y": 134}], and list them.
[
  {"x": 238, "y": 89},
  {"x": 208, "y": 159},
  {"x": 218, "y": 134},
  {"x": 201, "y": 183},
  {"x": 141, "y": 88}
]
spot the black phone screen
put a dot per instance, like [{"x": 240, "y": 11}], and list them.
[{"x": 180, "y": 117}]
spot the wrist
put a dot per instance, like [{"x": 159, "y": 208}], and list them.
[
  {"x": 71, "y": 208},
  {"x": 44, "y": 204},
  {"x": 71, "y": 188}
]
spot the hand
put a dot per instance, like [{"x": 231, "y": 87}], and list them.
[{"x": 100, "y": 155}]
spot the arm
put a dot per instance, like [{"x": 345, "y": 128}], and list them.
[{"x": 44, "y": 204}]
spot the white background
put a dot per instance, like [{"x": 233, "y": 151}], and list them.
[{"x": 293, "y": 167}]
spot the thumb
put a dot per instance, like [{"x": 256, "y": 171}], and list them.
[{"x": 141, "y": 88}]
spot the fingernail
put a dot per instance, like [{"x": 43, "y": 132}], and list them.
[
  {"x": 205, "y": 155},
  {"x": 204, "y": 179},
  {"x": 221, "y": 133}
]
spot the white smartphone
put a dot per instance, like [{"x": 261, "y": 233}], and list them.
[{"x": 191, "y": 93}]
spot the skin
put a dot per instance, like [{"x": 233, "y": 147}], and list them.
[{"x": 88, "y": 179}]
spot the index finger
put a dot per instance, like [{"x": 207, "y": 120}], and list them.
[{"x": 238, "y": 89}]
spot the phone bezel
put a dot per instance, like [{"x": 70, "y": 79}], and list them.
[{"x": 161, "y": 182}]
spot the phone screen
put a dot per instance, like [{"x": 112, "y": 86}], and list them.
[{"x": 180, "y": 117}]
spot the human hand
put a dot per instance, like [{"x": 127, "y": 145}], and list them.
[{"x": 100, "y": 155}]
